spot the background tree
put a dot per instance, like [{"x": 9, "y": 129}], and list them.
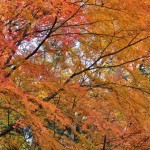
[{"x": 71, "y": 75}]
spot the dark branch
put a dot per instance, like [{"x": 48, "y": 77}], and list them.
[
  {"x": 118, "y": 65},
  {"x": 7, "y": 130},
  {"x": 42, "y": 42},
  {"x": 104, "y": 145}
]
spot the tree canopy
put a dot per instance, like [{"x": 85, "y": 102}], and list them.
[{"x": 74, "y": 74}]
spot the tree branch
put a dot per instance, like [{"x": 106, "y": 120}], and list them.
[
  {"x": 7, "y": 130},
  {"x": 118, "y": 65}
]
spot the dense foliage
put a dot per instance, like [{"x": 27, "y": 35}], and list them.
[{"x": 74, "y": 74}]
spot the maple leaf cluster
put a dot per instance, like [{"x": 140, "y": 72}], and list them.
[{"x": 74, "y": 74}]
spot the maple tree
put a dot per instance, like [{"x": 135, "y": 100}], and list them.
[{"x": 72, "y": 74}]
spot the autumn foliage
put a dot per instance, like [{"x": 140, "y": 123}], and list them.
[{"x": 74, "y": 74}]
